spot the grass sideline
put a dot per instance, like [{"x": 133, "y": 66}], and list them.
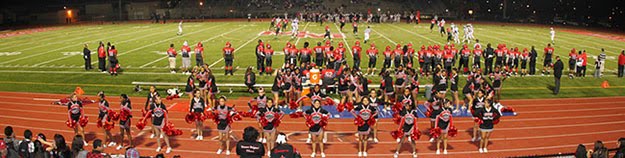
[{"x": 50, "y": 62}]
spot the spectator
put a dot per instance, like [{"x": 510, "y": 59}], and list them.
[
  {"x": 11, "y": 143},
  {"x": 26, "y": 147},
  {"x": 581, "y": 151},
  {"x": 620, "y": 150},
  {"x": 283, "y": 149},
  {"x": 3, "y": 148},
  {"x": 97, "y": 150},
  {"x": 40, "y": 150},
  {"x": 621, "y": 64},
  {"x": 77, "y": 147},
  {"x": 557, "y": 73},
  {"x": 599, "y": 151},
  {"x": 58, "y": 148},
  {"x": 250, "y": 80},
  {"x": 249, "y": 147},
  {"x": 131, "y": 152}
]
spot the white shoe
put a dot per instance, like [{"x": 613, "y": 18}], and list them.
[
  {"x": 359, "y": 154},
  {"x": 152, "y": 136},
  {"x": 228, "y": 152},
  {"x": 485, "y": 150},
  {"x": 161, "y": 135},
  {"x": 112, "y": 144},
  {"x": 158, "y": 149},
  {"x": 396, "y": 155},
  {"x": 173, "y": 72},
  {"x": 325, "y": 140},
  {"x": 168, "y": 150},
  {"x": 398, "y": 140},
  {"x": 197, "y": 138},
  {"x": 364, "y": 154},
  {"x": 260, "y": 140},
  {"x": 438, "y": 152},
  {"x": 414, "y": 155},
  {"x": 201, "y": 137},
  {"x": 312, "y": 155},
  {"x": 104, "y": 145},
  {"x": 219, "y": 151},
  {"x": 323, "y": 155},
  {"x": 431, "y": 140},
  {"x": 308, "y": 141},
  {"x": 445, "y": 151},
  {"x": 456, "y": 111},
  {"x": 473, "y": 140},
  {"x": 480, "y": 150},
  {"x": 268, "y": 154},
  {"x": 119, "y": 147},
  {"x": 375, "y": 140},
  {"x": 86, "y": 144},
  {"x": 264, "y": 140}
]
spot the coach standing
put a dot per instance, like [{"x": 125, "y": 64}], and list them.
[
  {"x": 489, "y": 54},
  {"x": 557, "y": 73},
  {"x": 101, "y": 58},
  {"x": 87, "y": 56},
  {"x": 621, "y": 64},
  {"x": 533, "y": 56}
]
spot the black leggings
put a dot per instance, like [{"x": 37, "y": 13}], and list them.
[{"x": 229, "y": 62}]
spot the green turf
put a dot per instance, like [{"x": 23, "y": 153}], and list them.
[{"x": 43, "y": 67}]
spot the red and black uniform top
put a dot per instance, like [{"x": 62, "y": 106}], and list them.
[
  {"x": 75, "y": 109},
  {"x": 372, "y": 52},
  {"x": 549, "y": 53},
  {"x": 488, "y": 116},
  {"x": 186, "y": 51},
  {"x": 261, "y": 102},
  {"x": 269, "y": 115},
  {"x": 387, "y": 84},
  {"x": 478, "y": 104},
  {"x": 316, "y": 115},
  {"x": 366, "y": 113},
  {"x": 150, "y": 100},
  {"x": 400, "y": 78},
  {"x": 318, "y": 52},
  {"x": 223, "y": 115},
  {"x": 356, "y": 51},
  {"x": 305, "y": 55},
  {"x": 197, "y": 105},
  {"x": 410, "y": 120},
  {"x": 103, "y": 107},
  {"x": 159, "y": 111},
  {"x": 228, "y": 52},
  {"x": 171, "y": 52},
  {"x": 101, "y": 52}
]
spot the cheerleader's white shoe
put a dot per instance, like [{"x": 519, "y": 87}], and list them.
[
  {"x": 481, "y": 150},
  {"x": 376, "y": 140},
  {"x": 325, "y": 140},
  {"x": 219, "y": 151},
  {"x": 168, "y": 150},
  {"x": 86, "y": 144},
  {"x": 158, "y": 149},
  {"x": 359, "y": 154},
  {"x": 364, "y": 154},
  {"x": 445, "y": 151},
  {"x": 152, "y": 136},
  {"x": 312, "y": 155},
  {"x": 431, "y": 140},
  {"x": 228, "y": 152},
  {"x": 414, "y": 155},
  {"x": 308, "y": 141},
  {"x": 264, "y": 140},
  {"x": 438, "y": 152},
  {"x": 485, "y": 150},
  {"x": 323, "y": 155},
  {"x": 396, "y": 155},
  {"x": 119, "y": 147},
  {"x": 398, "y": 140}
]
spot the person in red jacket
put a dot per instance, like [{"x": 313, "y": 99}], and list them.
[
  {"x": 356, "y": 51},
  {"x": 621, "y": 64},
  {"x": 102, "y": 58}
]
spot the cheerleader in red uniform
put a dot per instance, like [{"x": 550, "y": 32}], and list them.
[
  {"x": 159, "y": 121},
  {"x": 105, "y": 119},
  {"x": 498, "y": 77},
  {"x": 316, "y": 120},
  {"x": 125, "y": 114},
  {"x": 223, "y": 116},
  {"x": 488, "y": 117},
  {"x": 414, "y": 84},
  {"x": 436, "y": 105},
  {"x": 261, "y": 103},
  {"x": 364, "y": 114},
  {"x": 269, "y": 118},
  {"x": 477, "y": 105},
  {"x": 444, "y": 128},
  {"x": 148, "y": 103},
  {"x": 196, "y": 110},
  {"x": 376, "y": 101},
  {"x": 76, "y": 116},
  {"x": 408, "y": 129},
  {"x": 400, "y": 80},
  {"x": 212, "y": 88}
]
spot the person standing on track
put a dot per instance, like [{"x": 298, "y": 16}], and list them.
[
  {"x": 76, "y": 113},
  {"x": 557, "y": 74},
  {"x": 316, "y": 120},
  {"x": 488, "y": 117},
  {"x": 171, "y": 53},
  {"x": 125, "y": 115},
  {"x": 159, "y": 119},
  {"x": 223, "y": 119},
  {"x": 364, "y": 114},
  {"x": 407, "y": 128},
  {"x": 101, "y": 58},
  {"x": 269, "y": 118},
  {"x": 228, "y": 54},
  {"x": 87, "y": 56},
  {"x": 197, "y": 108},
  {"x": 105, "y": 120}
]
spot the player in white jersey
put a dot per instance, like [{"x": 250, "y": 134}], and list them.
[
  {"x": 180, "y": 28},
  {"x": 367, "y": 33},
  {"x": 294, "y": 28},
  {"x": 553, "y": 35},
  {"x": 455, "y": 33},
  {"x": 471, "y": 31},
  {"x": 465, "y": 38}
]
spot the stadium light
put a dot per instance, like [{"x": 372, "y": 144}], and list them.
[
  {"x": 470, "y": 11},
  {"x": 64, "y": 7},
  {"x": 69, "y": 13},
  {"x": 379, "y": 9},
  {"x": 201, "y": 3}
]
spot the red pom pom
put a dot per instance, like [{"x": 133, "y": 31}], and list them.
[
  {"x": 237, "y": 117},
  {"x": 358, "y": 121},
  {"x": 397, "y": 107},
  {"x": 371, "y": 122},
  {"x": 476, "y": 120},
  {"x": 246, "y": 113},
  {"x": 263, "y": 121},
  {"x": 209, "y": 115},
  {"x": 396, "y": 119},
  {"x": 452, "y": 132},
  {"x": 170, "y": 130},
  {"x": 293, "y": 105},
  {"x": 108, "y": 125},
  {"x": 140, "y": 125},
  {"x": 297, "y": 114},
  {"x": 329, "y": 101},
  {"x": 415, "y": 135},
  {"x": 146, "y": 114},
  {"x": 113, "y": 115},
  {"x": 340, "y": 107},
  {"x": 507, "y": 109},
  {"x": 324, "y": 121},
  {"x": 397, "y": 134},
  {"x": 349, "y": 106},
  {"x": 189, "y": 118},
  {"x": 496, "y": 121},
  {"x": 435, "y": 132},
  {"x": 99, "y": 124},
  {"x": 309, "y": 122},
  {"x": 83, "y": 121},
  {"x": 277, "y": 121},
  {"x": 428, "y": 113},
  {"x": 70, "y": 123}
]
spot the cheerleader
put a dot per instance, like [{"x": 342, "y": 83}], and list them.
[
  {"x": 436, "y": 105},
  {"x": 343, "y": 86},
  {"x": 190, "y": 86},
  {"x": 354, "y": 88},
  {"x": 287, "y": 84},
  {"x": 408, "y": 127},
  {"x": 488, "y": 116},
  {"x": 364, "y": 114},
  {"x": 159, "y": 119},
  {"x": 477, "y": 105},
  {"x": 445, "y": 124},
  {"x": 211, "y": 87},
  {"x": 362, "y": 85},
  {"x": 387, "y": 86},
  {"x": 297, "y": 83},
  {"x": 148, "y": 103},
  {"x": 104, "y": 119},
  {"x": 400, "y": 79},
  {"x": 76, "y": 113},
  {"x": 196, "y": 108},
  {"x": 276, "y": 87},
  {"x": 223, "y": 114},
  {"x": 414, "y": 84},
  {"x": 316, "y": 120},
  {"x": 202, "y": 76},
  {"x": 453, "y": 79},
  {"x": 497, "y": 78},
  {"x": 125, "y": 113},
  {"x": 261, "y": 102},
  {"x": 376, "y": 101},
  {"x": 468, "y": 90},
  {"x": 440, "y": 80},
  {"x": 270, "y": 117}
]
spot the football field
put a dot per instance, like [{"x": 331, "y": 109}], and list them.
[{"x": 51, "y": 61}]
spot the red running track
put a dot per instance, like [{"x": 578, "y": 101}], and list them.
[{"x": 543, "y": 126}]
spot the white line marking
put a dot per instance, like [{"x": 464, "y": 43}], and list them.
[
  {"x": 344, "y": 37},
  {"x": 152, "y": 62},
  {"x": 416, "y": 34},
  {"x": 298, "y": 38}
]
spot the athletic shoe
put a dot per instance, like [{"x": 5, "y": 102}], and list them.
[
  {"x": 161, "y": 135},
  {"x": 264, "y": 140},
  {"x": 445, "y": 151},
  {"x": 325, "y": 140},
  {"x": 323, "y": 155},
  {"x": 86, "y": 144},
  {"x": 364, "y": 154},
  {"x": 111, "y": 144},
  {"x": 259, "y": 140},
  {"x": 201, "y": 137},
  {"x": 414, "y": 155},
  {"x": 219, "y": 151},
  {"x": 481, "y": 150},
  {"x": 473, "y": 140},
  {"x": 308, "y": 141},
  {"x": 398, "y": 140},
  {"x": 359, "y": 154},
  {"x": 438, "y": 152},
  {"x": 375, "y": 140},
  {"x": 268, "y": 154},
  {"x": 158, "y": 149},
  {"x": 396, "y": 155},
  {"x": 456, "y": 111},
  {"x": 119, "y": 147},
  {"x": 152, "y": 136},
  {"x": 312, "y": 155},
  {"x": 431, "y": 140},
  {"x": 173, "y": 72},
  {"x": 228, "y": 152},
  {"x": 168, "y": 150},
  {"x": 485, "y": 150}
]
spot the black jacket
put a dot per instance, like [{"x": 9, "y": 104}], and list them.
[
  {"x": 557, "y": 69},
  {"x": 86, "y": 53},
  {"x": 533, "y": 55},
  {"x": 284, "y": 151},
  {"x": 250, "y": 149}
]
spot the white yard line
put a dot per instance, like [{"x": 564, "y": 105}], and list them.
[
  {"x": 45, "y": 39},
  {"x": 344, "y": 37},
  {"x": 63, "y": 41},
  {"x": 221, "y": 59},
  {"x": 95, "y": 51},
  {"x": 424, "y": 37},
  {"x": 616, "y": 53},
  {"x": 203, "y": 41},
  {"x": 161, "y": 41},
  {"x": 383, "y": 36},
  {"x": 298, "y": 38}
]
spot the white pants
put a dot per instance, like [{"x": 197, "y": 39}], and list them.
[
  {"x": 366, "y": 36},
  {"x": 172, "y": 63}
]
